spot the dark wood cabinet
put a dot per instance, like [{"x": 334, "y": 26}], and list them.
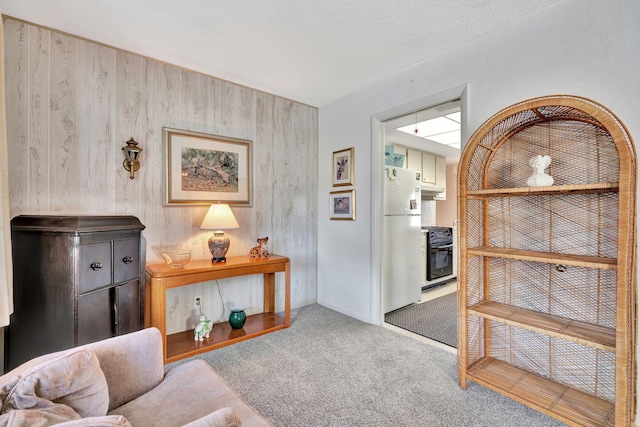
[{"x": 77, "y": 279}]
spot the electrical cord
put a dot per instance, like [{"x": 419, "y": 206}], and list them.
[{"x": 221, "y": 301}]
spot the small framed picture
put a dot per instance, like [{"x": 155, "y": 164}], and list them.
[
  {"x": 343, "y": 167},
  {"x": 342, "y": 205}
]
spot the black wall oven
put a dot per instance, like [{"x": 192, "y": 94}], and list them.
[{"x": 439, "y": 252}]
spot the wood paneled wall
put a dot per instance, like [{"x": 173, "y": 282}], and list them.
[{"x": 72, "y": 104}]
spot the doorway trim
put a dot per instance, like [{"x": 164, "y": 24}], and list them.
[{"x": 377, "y": 162}]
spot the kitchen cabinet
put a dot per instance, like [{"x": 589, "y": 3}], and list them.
[
  {"x": 414, "y": 159},
  {"x": 547, "y": 277},
  {"x": 77, "y": 279},
  {"x": 428, "y": 168},
  {"x": 441, "y": 177},
  {"x": 433, "y": 169},
  {"x": 434, "y": 174}
]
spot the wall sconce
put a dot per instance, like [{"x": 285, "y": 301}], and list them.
[
  {"x": 131, "y": 153},
  {"x": 219, "y": 217}
]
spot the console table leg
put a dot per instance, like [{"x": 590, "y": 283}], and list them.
[
  {"x": 287, "y": 295},
  {"x": 159, "y": 309},
  {"x": 269, "y": 292}
]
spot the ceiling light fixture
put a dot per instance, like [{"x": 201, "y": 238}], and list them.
[{"x": 444, "y": 129}]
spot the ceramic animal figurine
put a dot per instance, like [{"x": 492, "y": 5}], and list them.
[
  {"x": 260, "y": 251},
  {"x": 203, "y": 329},
  {"x": 539, "y": 178}
]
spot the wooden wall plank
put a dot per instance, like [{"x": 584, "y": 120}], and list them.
[
  {"x": 150, "y": 174},
  {"x": 16, "y": 35},
  {"x": 304, "y": 219},
  {"x": 266, "y": 170},
  {"x": 195, "y": 116},
  {"x": 127, "y": 125},
  {"x": 39, "y": 120},
  {"x": 63, "y": 137},
  {"x": 96, "y": 145}
]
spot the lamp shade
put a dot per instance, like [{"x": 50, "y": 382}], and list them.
[{"x": 219, "y": 217}]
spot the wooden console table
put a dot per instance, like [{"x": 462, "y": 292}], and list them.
[{"x": 160, "y": 277}]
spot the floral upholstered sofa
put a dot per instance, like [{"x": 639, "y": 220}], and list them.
[{"x": 120, "y": 381}]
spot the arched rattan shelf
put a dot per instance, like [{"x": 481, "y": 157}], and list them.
[{"x": 547, "y": 300}]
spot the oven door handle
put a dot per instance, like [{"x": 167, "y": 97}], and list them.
[{"x": 442, "y": 246}]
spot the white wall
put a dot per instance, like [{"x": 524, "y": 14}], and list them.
[{"x": 585, "y": 48}]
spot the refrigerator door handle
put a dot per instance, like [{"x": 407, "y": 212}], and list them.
[{"x": 442, "y": 246}]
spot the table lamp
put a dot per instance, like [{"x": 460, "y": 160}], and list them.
[{"x": 219, "y": 217}]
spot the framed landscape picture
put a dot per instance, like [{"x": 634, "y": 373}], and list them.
[
  {"x": 342, "y": 205},
  {"x": 200, "y": 169},
  {"x": 343, "y": 167}
]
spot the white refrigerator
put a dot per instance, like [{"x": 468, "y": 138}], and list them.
[{"x": 401, "y": 245}]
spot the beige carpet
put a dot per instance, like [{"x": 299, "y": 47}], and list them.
[{"x": 331, "y": 370}]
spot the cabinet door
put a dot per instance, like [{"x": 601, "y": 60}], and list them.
[
  {"x": 414, "y": 159},
  {"x": 441, "y": 176},
  {"x": 95, "y": 316},
  {"x": 128, "y": 310},
  {"x": 95, "y": 266},
  {"x": 109, "y": 312},
  {"x": 429, "y": 168},
  {"x": 126, "y": 260}
]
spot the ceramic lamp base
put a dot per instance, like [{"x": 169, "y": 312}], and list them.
[{"x": 218, "y": 246}]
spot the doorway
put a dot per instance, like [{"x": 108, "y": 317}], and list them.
[
  {"x": 379, "y": 140},
  {"x": 419, "y": 268}
]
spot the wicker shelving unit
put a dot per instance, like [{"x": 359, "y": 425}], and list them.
[{"x": 547, "y": 301}]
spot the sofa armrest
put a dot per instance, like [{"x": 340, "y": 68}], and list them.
[
  {"x": 224, "y": 417},
  {"x": 133, "y": 364}
]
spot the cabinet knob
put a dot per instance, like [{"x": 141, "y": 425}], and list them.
[
  {"x": 96, "y": 265},
  {"x": 127, "y": 260}
]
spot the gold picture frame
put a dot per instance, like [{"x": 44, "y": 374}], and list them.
[
  {"x": 343, "y": 168},
  {"x": 200, "y": 169},
  {"x": 342, "y": 205}
]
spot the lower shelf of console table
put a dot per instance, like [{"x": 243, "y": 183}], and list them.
[
  {"x": 181, "y": 344},
  {"x": 161, "y": 277}
]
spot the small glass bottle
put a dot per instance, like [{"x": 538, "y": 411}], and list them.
[{"x": 237, "y": 317}]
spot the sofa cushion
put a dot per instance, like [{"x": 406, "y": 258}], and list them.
[
  {"x": 73, "y": 379},
  {"x": 188, "y": 392},
  {"x": 106, "y": 421},
  {"x": 224, "y": 417},
  {"x": 41, "y": 417},
  {"x": 132, "y": 363}
]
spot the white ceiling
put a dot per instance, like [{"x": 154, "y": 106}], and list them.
[{"x": 312, "y": 51}]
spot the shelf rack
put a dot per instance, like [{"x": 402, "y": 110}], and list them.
[{"x": 547, "y": 301}]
